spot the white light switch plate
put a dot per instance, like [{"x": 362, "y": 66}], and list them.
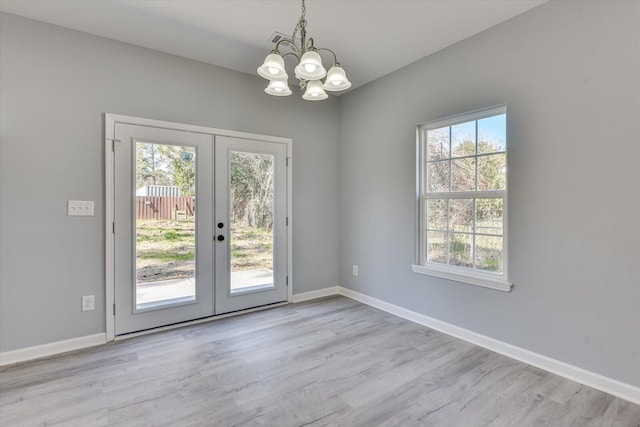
[{"x": 80, "y": 208}]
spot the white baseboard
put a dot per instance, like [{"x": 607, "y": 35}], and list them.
[
  {"x": 320, "y": 293},
  {"x": 574, "y": 373},
  {"x": 44, "y": 350}
]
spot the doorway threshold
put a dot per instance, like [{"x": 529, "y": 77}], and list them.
[{"x": 197, "y": 321}]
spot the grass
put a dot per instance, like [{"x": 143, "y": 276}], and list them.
[
  {"x": 165, "y": 249},
  {"x": 251, "y": 248}
]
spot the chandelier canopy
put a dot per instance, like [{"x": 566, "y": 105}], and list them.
[{"x": 309, "y": 70}]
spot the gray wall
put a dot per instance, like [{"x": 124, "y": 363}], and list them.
[
  {"x": 55, "y": 86},
  {"x": 568, "y": 72}
]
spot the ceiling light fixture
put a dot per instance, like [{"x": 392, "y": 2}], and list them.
[{"x": 309, "y": 71}]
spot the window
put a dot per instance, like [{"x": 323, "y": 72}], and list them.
[{"x": 462, "y": 195}]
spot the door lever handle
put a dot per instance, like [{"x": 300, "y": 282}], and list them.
[{"x": 220, "y": 238}]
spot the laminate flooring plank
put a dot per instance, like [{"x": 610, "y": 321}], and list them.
[{"x": 327, "y": 362}]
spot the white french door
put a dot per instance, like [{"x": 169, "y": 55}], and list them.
[
  {"x": 199, "y": 225},
  {"x": 251, "y": 241},
  {"x": 163, "y": 251}
]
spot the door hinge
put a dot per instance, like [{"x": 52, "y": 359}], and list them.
[
  {"x": 113, "y": 143},
  {"x": 287, "y": 162},
  {"x": 114, "y": 309},
  {"x": 287, "y": 221},
  {"x": 287, "y": 280},
  {"x": 113, "y": 227}
]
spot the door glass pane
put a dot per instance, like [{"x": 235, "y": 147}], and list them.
[
  {"x": 251, "y": 220},
  {"x": 165, "y": 247}
]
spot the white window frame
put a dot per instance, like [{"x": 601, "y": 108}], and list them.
[{"x": 497, "y": 281}]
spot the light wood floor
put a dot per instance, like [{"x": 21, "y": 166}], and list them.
[{"x": 327, "y": 362}]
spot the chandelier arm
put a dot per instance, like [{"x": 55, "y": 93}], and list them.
[
  {"x": 289, "y": 44},
  {"x": 294, "y": 54},
  {"x": 335, "y": 58}
]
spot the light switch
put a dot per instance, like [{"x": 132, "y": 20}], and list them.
[{"x": 80, "y": 208}]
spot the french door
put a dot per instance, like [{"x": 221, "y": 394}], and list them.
[
  {"x": 251, "y": 247},
  {"x": 200, "y": 225}
]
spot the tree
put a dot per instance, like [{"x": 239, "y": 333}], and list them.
[
  {"x": 151, "y": 165},
  {"x": 158, "y": 164},
  {"x": 252, "y": 189}
]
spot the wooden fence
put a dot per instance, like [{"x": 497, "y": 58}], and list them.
[{"x": 173, "y": 208}]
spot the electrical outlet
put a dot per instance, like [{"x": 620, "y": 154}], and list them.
[
  {"x": 88, "y": 303},
  {"x": 355, "y": 270}
]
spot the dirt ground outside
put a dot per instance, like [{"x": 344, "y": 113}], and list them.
[{"x": 165, "y": 249}]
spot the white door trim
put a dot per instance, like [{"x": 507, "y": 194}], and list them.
[{"x": 109, "y": 121}]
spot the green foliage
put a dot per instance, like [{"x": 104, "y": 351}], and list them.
[
  {"x": 252, "y": 189},
  {"x": 152, "y": 165},
  {"x": 164, "y": 256},
  {"x": 158, "y": 164},
  {"x": 184, "y": 173},
  {"x": 171, "y": 235}
]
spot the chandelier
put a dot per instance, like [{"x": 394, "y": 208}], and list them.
[{"x": 309, "y": 71}]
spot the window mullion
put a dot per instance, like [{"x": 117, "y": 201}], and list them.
[{"x": 490, "y": 194}]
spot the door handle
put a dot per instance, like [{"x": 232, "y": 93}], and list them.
[
  {"x": 220, "y": 238},
  {"x": 220, "y": 225}
]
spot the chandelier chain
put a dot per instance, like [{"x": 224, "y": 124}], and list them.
[{"x": 302, "y": 23}]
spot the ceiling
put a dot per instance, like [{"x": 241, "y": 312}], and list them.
[{"x": 371, "y": 38}]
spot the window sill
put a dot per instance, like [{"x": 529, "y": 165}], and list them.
[{"x": 471, "y": 279}]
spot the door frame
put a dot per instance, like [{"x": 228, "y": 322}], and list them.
[{"x": 110, "y": 121}]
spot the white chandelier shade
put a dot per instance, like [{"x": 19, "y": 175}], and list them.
[
  {"x": 273, "y": 67},
  {"x": 309, "y": 70},
  {"x": 336, "y": 79},
  {"x": 314, "y": 91},
  {"x": 310, "y": 67},
  {"x": 278, "y": 88}
]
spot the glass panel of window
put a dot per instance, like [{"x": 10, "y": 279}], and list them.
[
  {"x": 492, "y": 134},
  {"x": 489, "y": 253},
  {"x": 461, "y": 215},
  {"x": 438, "y": 144},
  {"x": 460, "y": 250},
  {"x": 437, "y": 214},
  {"x": 489, "y": 216},
  {"x": 463, "y": 174},
  {"x": 492, "y": 172},
  {"x": 463, "y": 139},
  {"x": 437, "y": 247},
  {"x": 438, "y": 178}
]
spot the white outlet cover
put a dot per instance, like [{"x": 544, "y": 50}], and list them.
[
  {"x": 79, "y": 207},
  {"x": 88, "y": 303}
]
